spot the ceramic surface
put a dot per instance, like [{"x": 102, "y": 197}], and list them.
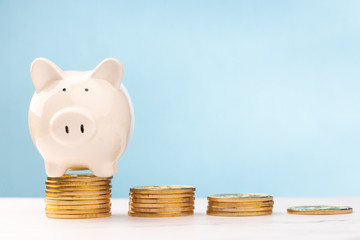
[{"x": 80, "y": 119}]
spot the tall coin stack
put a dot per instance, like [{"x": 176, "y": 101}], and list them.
[
  {"x": 240, "y": 205},
  {"x": 161, "y": 201},
  {"x": 78, "y": 196}
]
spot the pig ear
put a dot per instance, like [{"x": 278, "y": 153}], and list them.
[
  {"x": 44, "y": 71},
  {"x": 110, "y": 70}
]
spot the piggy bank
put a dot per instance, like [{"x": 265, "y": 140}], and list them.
[{"x": 80, "y": 120}]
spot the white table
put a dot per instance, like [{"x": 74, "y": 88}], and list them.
[{"x": 24, "y": 218}]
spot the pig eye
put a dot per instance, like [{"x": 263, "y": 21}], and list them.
[
  {"x": 86, "y": 89},
  {"x": 64, "y": 89}
]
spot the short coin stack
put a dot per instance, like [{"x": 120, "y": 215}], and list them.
[
  {"x": 78, "y": 196},
  {"x": 161, "y": 201},
  {"x": 319, "y": 210},
  {"x": 240, "y": 205}
]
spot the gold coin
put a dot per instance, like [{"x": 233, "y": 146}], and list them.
[
  {"x": 161, "y": 195},
  {"x": 77, "y": 211},
  {"x": 87, "y": 188},
  {"x": 161, "y": 210},
  {"x": 78, "y": 177},
  {"x": 75, "y": 184},
  {"x": 83, "y": 207},
  {"x": 78, "y": 216},
  {"x": 162, "y": 189},
  {"x": 160, "y": 205},
  {"x": 319, "y": 210},
  {"x": 79, "y": 169},
  {"x": 245, "y": 197},
  {"x": 242, "y": 209},
  {"x": 71, "y": 203},
  {"x": 164, "y": 200},
  {"x": 242, "y": 204},
  {"x": 83, "y": 175},
  {"x": 72, "y": 198},
  {"x": 77, "y": 193},
  {"x": 238, "y": 214},
  {"x": 178, "y": 214}
]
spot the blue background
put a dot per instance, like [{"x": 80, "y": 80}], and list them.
[{"x": 229, "y": 96}]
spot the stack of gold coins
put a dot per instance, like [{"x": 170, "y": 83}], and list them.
[
  {"x": 162, "y": 201},
  {"x": 240, "y": 205},
  {"x": 78, "y": 196},
  {"x": 319, "y": 210}
]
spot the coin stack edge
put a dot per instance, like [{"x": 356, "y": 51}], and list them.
[
  {"x": 77, "y": 196},
  {"x": 161, "y": 201}
]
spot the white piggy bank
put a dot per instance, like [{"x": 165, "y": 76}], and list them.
[{"x": 80, "y": 119}]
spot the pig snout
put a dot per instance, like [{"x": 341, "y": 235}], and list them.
[{"x": 72, "y": 126}]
